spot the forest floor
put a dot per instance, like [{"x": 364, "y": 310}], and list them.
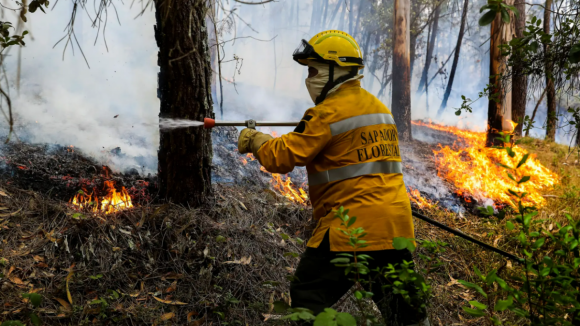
[{"x": 223, "y": 264}]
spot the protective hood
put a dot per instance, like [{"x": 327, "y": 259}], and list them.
[{"x": 315, "y": 85}]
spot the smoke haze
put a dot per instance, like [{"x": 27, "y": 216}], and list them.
[{"x": 114, "y": 103}]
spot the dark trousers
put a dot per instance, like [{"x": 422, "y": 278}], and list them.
[{"x": 318, "y": 284}]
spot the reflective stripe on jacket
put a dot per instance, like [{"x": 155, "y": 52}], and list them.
[{"x": 350, "y": 148}]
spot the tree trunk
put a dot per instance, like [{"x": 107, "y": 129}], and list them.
[
  {"x": 551, "y": 91},
  {"x": 184, "y": 92},
  {"x": 401, "y": 72},
  {"x": 455, "y": 59},
  {"x": 577, "y": 136},
  {"x": 499, "y": 109},
  {"x": 213, "y": 47},
  {"x": 414, "y": 31},
  {"x": 430, "y": 47},
  {"x": 519, "y": 80}
]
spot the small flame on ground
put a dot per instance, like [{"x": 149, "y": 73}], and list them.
[
  {"x": 474, "y": 169},
  {"x": 415, "y": 197},
  {"x": 283, "y": 184},
  {"x": 112, "y": 202}
]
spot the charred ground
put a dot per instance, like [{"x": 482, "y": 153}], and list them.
[{"x": 226, "y": 262}]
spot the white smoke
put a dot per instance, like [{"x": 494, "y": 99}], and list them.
[
  {"x": 66, "y": 103},
  {"x": 112, "y": 104}
]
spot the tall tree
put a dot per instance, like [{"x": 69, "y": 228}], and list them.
[
  {"x": 434, "y": 26},
  {"x": 185, "y": 93},
  {"x": 519, "y": 79},
  {"x": 499, "y": 105},
  {"x": 550, "y": 89},
  {"x": 578, "y": 137},
  {"x": 210, "y": 21},
  {"x": 455, "y": 59},
  {"x": 401, "y": 73}
]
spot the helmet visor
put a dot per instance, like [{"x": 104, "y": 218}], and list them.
[{"x": 304, "y": 51}]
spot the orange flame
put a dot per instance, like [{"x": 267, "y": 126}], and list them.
[
  {"x": 415, "y": 197},
  {"x": 113, "y": 202},
  {"x": 286, "y": 188},
  {"x": 474, "y": 169}
]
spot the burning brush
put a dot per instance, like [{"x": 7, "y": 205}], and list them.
[
  {"x": 476, "y": 170},
  {"x": 106, "y": 200}
]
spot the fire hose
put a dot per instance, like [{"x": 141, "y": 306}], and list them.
[{"x": 210, "y": 123}]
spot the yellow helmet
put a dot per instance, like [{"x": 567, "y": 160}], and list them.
[{"x": 330, "y": 46}]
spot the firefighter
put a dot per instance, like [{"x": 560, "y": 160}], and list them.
[{"x": 349, "y": 145}]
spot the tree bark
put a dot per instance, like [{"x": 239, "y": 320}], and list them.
[
  {"x": 430, "y": 47},
  {"x": 577, "y": 136},
  {"x": 455, "y": 59},
  {"x": 551, "y": 91},
  {"x": 213, "y": 47},
  {"x": 519, "y": 80},
  {"x": 184, "y": 92},
  {"x": 401, "y": 71},
  {"x": 499, "y": 109},
  {"x": 414, "y": 31}
]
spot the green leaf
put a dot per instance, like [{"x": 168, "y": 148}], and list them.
[
  {"x": 340, "y": 260},
  {"x": 280, "y": 306},
  {"x": 505, "y": 16},
  {"x": 509, "y": 225},
  {"x": 400, "y": 243},
  {"x": 326, "y": 318},
  {"x": 525, "y": 178},
  {"x": 478, "y": 272},
  {"x": 220, "y": 238},
  {"x": 487, "y": 18},
  {"x": 345, "y": 319},
  {"x": 474, "y": 312},
  {"x": 478, "y": 305},
  {"x": 574, "y": 55},
  {"x": 502, "y": 305},
  {"x": 505, "y": 166},
  {"x": 538, "y": 243},
  {"x": 35, "y": 299},
  {"x": 411, "y": 246},
  {"x": 35, "y": 319},
  {"x": 473, "y": 286},
  {"x": 485, "y": 7},
  {"x": 358, "y": 295},
  {"x": 351, "y": 221},
  {"x": 523, "y": 160},
  {"x": 12, "y": 323}
]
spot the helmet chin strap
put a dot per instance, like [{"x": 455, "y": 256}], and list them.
[{"x": 331, "y": 82}]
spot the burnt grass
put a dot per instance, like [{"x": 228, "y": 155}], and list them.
[
  {"x": 160, "y": 263},
  {"x": 151, "y": 264}
]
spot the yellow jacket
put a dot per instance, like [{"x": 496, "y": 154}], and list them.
[{"x": 350, "y": 148}]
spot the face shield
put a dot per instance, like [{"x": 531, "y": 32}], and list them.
[{"x": 303, "y": 52}]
